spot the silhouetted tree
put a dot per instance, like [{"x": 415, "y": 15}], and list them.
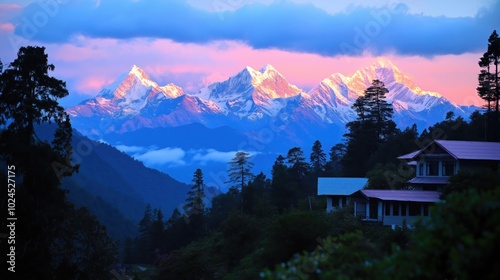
[
  {"x": 256, "y": 196},
  {"x": 486, "y": 81},
  {"x": 146, "y": 221},
  {"x": 240, "y": 169},
  {"x": 84, "y": 248},
  {"x": 28, "y": 97},
  {"x": 28, "y": 100},
  {"x": 317, "y": 159},
  {"x": 296, "y": 163},
  {"x": 334, "y": 165},
  {"x": 195, "y": 205},
  {"x": 143, "y": 252},
  {"x": 157, "y": 232},
  {"x": 494, "y": 55},
  {"x": 360, "y": 106},
  {"x": 488, "y": 86},
  {"x": 379, "y": 110},
  {"x": 282, "y": 194},
  {"x": 372, "y": 127}
]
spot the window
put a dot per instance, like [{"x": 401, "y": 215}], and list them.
[
  {"x": 432, "y": 168},
  {"x": 373, "y": 210},
  {"x": 421, "y": 169},
  {"x": 448, "y": 168},
  {"x": 403, "y": 209},
  {"x": 387, "y": 209},
  {"x": 414, "y": 209},
  {"x": 427, "y": 187},
  {"x": 344, "y": 201},
  {"x": 395, "y": 209},
  {"x": 426, "y": 209}
]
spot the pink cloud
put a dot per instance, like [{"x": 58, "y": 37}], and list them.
[
  {"x": 7, "y": 9},
  {"x": 8, "y": 27},
  {"x": 92, "y": 84},
  {"x": 93, "y": 63}
]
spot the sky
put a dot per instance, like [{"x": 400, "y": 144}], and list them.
[{"x": 193, "y": 43}]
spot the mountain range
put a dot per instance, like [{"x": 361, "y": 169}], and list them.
[
  {"x": 253, "y": 99},
  {"x": 254, "y": 110}
]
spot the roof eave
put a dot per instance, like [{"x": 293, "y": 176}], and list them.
[{"x": 444, "y": 148}]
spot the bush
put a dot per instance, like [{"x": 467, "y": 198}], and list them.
[{"x": 293, "y": 232}]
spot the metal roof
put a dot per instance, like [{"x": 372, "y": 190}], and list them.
[
  {"x": 470, "y": 150},
  {"x": 429, "y": 180},
  {"x": 409, "y": 156},
  {"x": 403, "y": 195},
  {"x": 340, "y": 185}
]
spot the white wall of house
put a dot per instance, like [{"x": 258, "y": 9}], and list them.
[
  {"x": 398, "y": 212},
  {"x": 336, "y": 202},
  {"x": 408, "y": 212},
  {"x": 329, "y": 206}
]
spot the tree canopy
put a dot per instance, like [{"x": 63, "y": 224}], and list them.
[
  {"x": 372, "y": 128},
  {"x": 488, "y": 86},
  {"x": 240, "y": 169},
  {"x": 54, "y": 240}
]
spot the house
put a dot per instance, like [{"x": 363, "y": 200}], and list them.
[
  {"x": 393, "y": 207},
  {"x": 338, "y": 190},
  {"x": 434, "y": 164},
  {"x": 440, "y": 159}
]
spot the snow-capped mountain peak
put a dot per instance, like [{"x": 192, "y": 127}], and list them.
[
  {"x": 334, "y": 96},
  {"x": 123, "y": 87},
  {"x": 260, "y": 96},
  {"x": 140, "y": 74},
  {"x": 172, "y": 91},
  {"x": 384, "y": 63},
  {"x": 267, "y": 68}
]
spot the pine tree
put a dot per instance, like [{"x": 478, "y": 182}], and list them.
[
  {"x": 296, "y": 163},
  {"x": 146, "y": 221},
  {"x": 334, "y": 166},
  {"x": 195, "y": 204},
  {"x": 256, "y": 196},
  {"x": 486, "y": 80},
  {"x": 372, "y": 128},
  {"x": 488, "y": 86},
  {"x": 379, "y": 110},
  {"x": 28, "y": 97},
  {"x": 282, "y": 193},
  {"x": 494, "y": 55},
  {"x": 28, "y": 102},
  {"x": 240, "y": 170},
  {"x": 318, "y": 158},
  {"x": 156, "y": 232},
  {"x": 360, "y": 106}
]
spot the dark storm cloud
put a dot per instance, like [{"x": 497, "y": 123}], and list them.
[{"x": 283, "y": 25}]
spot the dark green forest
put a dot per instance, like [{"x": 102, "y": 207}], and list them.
[{"x": 267, "y": 228}]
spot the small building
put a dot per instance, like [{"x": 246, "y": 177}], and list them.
[
  {"x": 440, "y": 159},
  {"x": 393, "y": 207},
  {"x": 338, "y": 190}
]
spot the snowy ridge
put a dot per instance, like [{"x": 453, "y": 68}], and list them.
[
  {"x": 253, "y": 98},
  {"x": 251, "y": 94}
]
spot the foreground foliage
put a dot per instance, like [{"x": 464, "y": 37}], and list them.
[{"x": 459, "y": 241}]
